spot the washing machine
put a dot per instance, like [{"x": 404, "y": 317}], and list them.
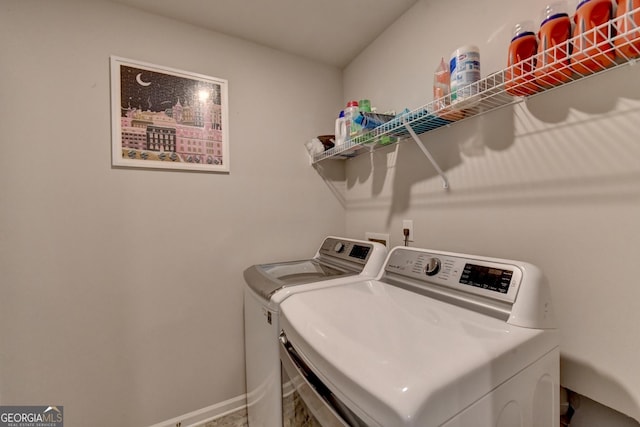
[
  {"x": 338, "y": 261},
  {"x": 436, "y": 339}
]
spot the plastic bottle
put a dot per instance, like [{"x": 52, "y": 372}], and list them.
[
  {"x": 464, "y": 68},
  {"x": 441, "y": 86},
  {"x": 552, "y": 61},
  {"x": 627, "y": 41},
  {"x": 364, "y": 106},
  {"x": 442, "y": 94},
  {"x": 350, "y": 114},
  {"x": 519, "y": 78},
  {"x": 592, "y": 50},
  {"x": 340, "y": 129}
]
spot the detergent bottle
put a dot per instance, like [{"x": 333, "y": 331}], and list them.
[
  {"x": 350, "y": 114},
  {"x": 519, "y": 78},
  {"x": 441, "y": 86},
  {"x": 340, "y": 130},
  {"x": 592, "y": 50},
  {"x": 552, "y": 60},
  {"x": 627, "y": 41}
]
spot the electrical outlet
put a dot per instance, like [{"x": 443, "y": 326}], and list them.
[{"x": 407, "y": 224}]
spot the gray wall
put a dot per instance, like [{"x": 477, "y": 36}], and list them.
[
  {"x": 554, "y": 181},
  {"x": 121, "y": 289}
]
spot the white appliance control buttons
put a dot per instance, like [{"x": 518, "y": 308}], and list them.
[
  {"x": 432, "y": 266},
  {"x": 339, "y": 247}
]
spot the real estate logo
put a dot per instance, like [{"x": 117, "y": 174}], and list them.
[{"x": 31, "y": 416}]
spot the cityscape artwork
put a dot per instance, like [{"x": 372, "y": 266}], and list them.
[{"x": 168, "y": 119}]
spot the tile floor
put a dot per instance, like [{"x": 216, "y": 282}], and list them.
[
  {"x": 234, "y": 419},
  {"x": 295, "y": 412}
]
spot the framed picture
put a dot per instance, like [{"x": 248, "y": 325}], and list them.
[{"x": 164, "y": 118}]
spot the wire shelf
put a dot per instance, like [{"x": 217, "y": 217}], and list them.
[{"x": 605, "y": 47}]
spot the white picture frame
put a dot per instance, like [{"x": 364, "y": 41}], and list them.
[{"x": 164, "y": 118}]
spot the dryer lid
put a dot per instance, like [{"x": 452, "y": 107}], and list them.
[{"x": 402, "y": 358}]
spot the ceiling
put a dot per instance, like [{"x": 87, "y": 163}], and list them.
[{"x": 330, "y": 31}]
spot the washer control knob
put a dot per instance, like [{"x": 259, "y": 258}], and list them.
[
  {"x": 432, "y": 267},
  {"x": 339, "y": 247}
]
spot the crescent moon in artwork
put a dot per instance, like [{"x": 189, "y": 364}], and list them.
[{"x": 140, "y": 82}]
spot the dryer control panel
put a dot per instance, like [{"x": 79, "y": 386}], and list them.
[{"x": 487, "y": 277}]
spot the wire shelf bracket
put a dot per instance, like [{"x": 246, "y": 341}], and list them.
[{"x": 443, "y": 176}]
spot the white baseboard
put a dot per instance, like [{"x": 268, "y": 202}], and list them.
[{"x": 201, "y": 416}]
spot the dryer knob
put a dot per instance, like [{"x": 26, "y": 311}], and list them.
[
  {"x": 339, "y": 247},
  {"x": 432, "y": 267}
]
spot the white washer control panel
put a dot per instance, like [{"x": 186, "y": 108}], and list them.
[
  {"x": 357, "y": 252},
  {"x": 478, "y": 276}
]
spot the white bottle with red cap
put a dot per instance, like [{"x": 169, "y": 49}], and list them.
[{"x": 350, "y": 114}]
